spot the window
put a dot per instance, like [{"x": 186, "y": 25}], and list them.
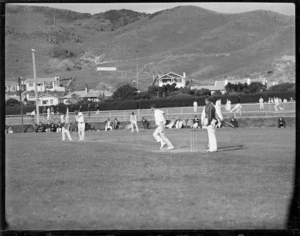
[
  {"x": 51, "y": 101},
  {"x": 30, "y": 85},
  {"x": 44, "y": 102}
]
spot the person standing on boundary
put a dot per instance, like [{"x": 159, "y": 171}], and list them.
[
  {"x": 195, "y": 104},
  {"x": 209, "y": 120},
  {"x": 159, "y": 133},
  {"x": 133, "y": 122},
  {"x": 261, "y": 103},
  {"x": 65, "y": 127},
  {"x": 81, "y": 125}
]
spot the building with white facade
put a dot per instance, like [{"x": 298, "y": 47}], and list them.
[
  {"x": 48, "y": 100},
  {"x": 88, "y": 94},
  {"x": 171, "y": 78},
  {"x": 44, "y": 84}
]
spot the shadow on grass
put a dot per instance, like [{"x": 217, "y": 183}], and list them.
[{"x": 231, "y": 148}]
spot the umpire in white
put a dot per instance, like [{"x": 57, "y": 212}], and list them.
[{"x": 209, "y": 119}]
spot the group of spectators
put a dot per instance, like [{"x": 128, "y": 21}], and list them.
[
  {"x": 49, "y": 127},
  {"x": 195, "y": 123}
]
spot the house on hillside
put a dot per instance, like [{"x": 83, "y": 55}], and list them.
[
  {"x": 44, "y": 84},
  {"x": 89, "y": 95},
  {"x": 49, "y": 97},
  {"x": 171, "y": 78},
  {"x": 46, "y": 99},
  {"x": 218, "y": 86},
  {"x": 11, "y": 86}
]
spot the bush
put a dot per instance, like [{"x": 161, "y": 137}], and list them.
[
  {"x": 181, "y": 100},
  {"x": 12, "y": 102}
]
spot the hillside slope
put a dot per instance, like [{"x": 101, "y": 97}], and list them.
[{"x": 206, "y": 45}]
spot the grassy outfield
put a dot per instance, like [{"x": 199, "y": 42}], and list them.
[{"x": 120, "y": 180}]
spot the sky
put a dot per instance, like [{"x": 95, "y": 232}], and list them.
[{"x": 222, "y": 7}]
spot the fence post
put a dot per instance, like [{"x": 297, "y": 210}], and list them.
[{"x": 124, "y": 116}]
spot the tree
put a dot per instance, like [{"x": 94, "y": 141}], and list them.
[
  {"x": 282, "y": 87},
  {"x": 203, "y": 92},
  {"x": 217, "y": 93},
  {"x": 126, "y": 92},
  {"x": 256, "y": 87},
  {"x": 154, "y": 91},
  {"x": 12, "y": 102}
]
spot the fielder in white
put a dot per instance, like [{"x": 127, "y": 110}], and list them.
[
  {"x": 218, "y": 110},
  {"x": 159, "y": 133},
  {"x": 65, "y": 127},
  {"x": 209, "y": 119},
  {"x": 195, "y": 104},
  {"x": 133, "y": 122},
  {"x": 81, "y": 125},
  {"x": 277, "y": 104},
  {"x": 261, "y": 103},
  {"x": 237, "y": 108}
]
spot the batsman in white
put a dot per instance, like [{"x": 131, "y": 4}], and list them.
[
  {"x": 81, "y": 125},
  {"x": 159, "y": 133},
  {"x": 64, "y": 119}
]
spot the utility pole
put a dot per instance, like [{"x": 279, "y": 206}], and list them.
[
  {"x": 35, "y": 88},
  {"x": 137, "y": 77},
  {"x": 20, "y": 92}
]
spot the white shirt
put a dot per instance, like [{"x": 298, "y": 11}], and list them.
[
  {"x": 133, "y": 118},
  {"x": 159, "y": 117},
  {"x": 80, "y": 118}
]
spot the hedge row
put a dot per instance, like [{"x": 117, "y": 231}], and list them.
[{"x": 178, "y": 101}]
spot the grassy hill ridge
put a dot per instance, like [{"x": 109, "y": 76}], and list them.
[{"x": 206, "y": 45}]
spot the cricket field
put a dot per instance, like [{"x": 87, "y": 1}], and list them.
[{"x": 121, "y": 180}]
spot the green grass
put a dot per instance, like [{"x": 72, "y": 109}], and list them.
[{"x": 120, "y": 180}]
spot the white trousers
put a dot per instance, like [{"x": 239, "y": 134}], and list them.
[
  {"x": 81, "y": 130},
  {"x": 132, "y": 126},
  {"x": 108, "y": 127},
  {"x": 212, "y": 140},
  {"x": 276, "y": 107},
  {"x": 261, "y": 106},
  {"x": 64, "y": 132},
  {"x": 161, "y": 137}
]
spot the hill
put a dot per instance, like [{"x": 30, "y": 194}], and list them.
[{"x": 206, "y": 45}]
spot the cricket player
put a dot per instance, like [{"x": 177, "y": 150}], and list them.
[
  {"x": 218, "y": 110},
  {"x": 159, "y": 133},
  {"x": 133, "y": 122},
  {"x": 261, "y": 103},
  {"x": 108, "y": 125},
  {"x": 195, "y": 104},
  {"x": 81, "y": 125},
  {"x": 209, "y": 120},
  {"x": 237, "y": 108},
  {"x": 228, "y": 105},
  {"x": 65, "y": 127},
  {"x": 276, "y": 100}
]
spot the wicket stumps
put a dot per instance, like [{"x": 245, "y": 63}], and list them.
[{"x": 194, "y": 140}]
